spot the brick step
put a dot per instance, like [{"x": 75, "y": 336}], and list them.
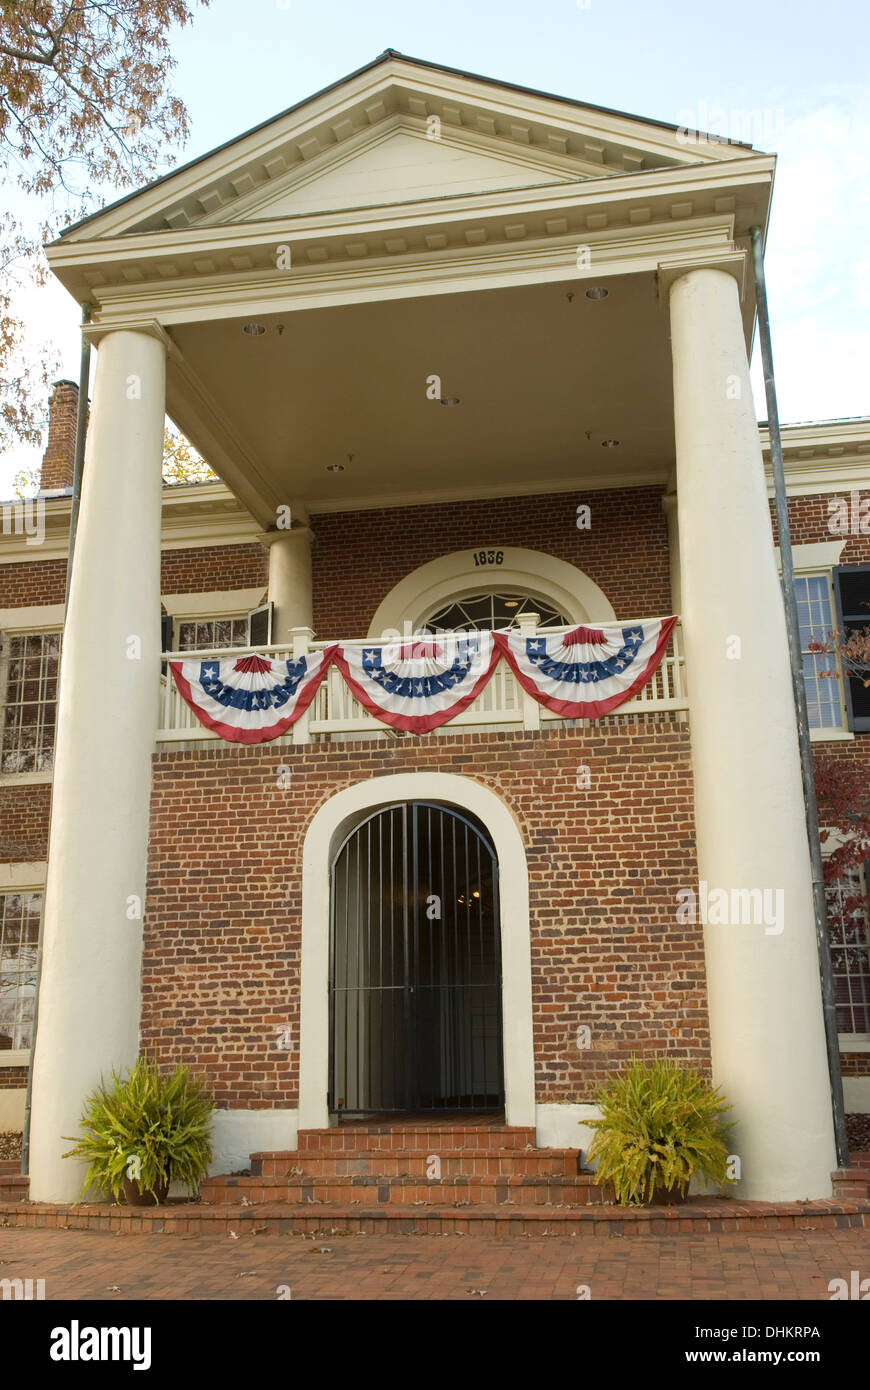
[
  {"x": 10, "y": 1165},
  {"x": 852, "y": 1182},
  {"x": 454, "y": 1162},
  {"x": 13, "y": 1187},
  {"x": 431, "y": 1137},
  {"x": 696, "y": 1217},
  {"x": 380, "y": 1189}
]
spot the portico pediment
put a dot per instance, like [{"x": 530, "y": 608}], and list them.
[{"x": 400, "y": 131}]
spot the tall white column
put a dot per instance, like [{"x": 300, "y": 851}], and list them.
[
  {"x": 107, "y": 715},
  {"x": 290, "y": 580},
  {"x": 765, "y": 1006}
]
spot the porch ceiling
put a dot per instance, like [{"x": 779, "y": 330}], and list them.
[{"x": 544, "y": 375}]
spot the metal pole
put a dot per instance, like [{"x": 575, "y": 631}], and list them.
[
  {"x": 78, "y": 464},
  {"x": 800, "y": 699}
]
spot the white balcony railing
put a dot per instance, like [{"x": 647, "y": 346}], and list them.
[{"x": 335, "y": 713}]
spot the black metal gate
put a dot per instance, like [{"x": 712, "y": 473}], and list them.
[{"x": 415, "y": 965}]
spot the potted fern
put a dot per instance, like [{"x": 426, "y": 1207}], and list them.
[
  {"x": 661, "y": 1125},
  {"x": 143, "y": 1131}
]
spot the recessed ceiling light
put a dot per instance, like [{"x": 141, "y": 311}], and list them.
[
  {"x": 335, "y": 468},
  {"x": 254, "y": 330},
  {"x": 450, "y": 400},
  {"x": 610, "y": 443},
  {"x": 511, "y": 603},
  {"x": 597, "y": 292}
]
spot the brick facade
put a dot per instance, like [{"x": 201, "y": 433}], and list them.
[
  {"x": 213, "y": 567},
  {"x": 222, "y": 930},
  {"x": 809, "y": 519},
  {"x": 24, "y": 812},
  {"x": 358, "y": 557},
  {"x": 222, "y": 923},
  {"x": 32, "y": 584}
]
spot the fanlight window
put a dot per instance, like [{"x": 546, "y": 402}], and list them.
[{"x": 482, "y": 612}]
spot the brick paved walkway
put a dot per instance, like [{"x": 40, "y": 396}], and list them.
[{"x": 84, "y": 1265}]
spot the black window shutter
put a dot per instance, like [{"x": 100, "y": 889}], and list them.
[
  {"x": 260, "y": 626},
  {"x": 165, "y": 637},
  {"x": 852, "y": 589}
]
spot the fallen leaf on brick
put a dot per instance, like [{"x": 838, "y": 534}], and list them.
[
  {"x": 479, "y": 1292},
  {"x": 113, "y": 1288},
  {"x": 233, "y": 1235}
]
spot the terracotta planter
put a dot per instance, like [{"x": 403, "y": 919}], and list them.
[
  {"x": 135, "y": 1198},
  {"x": 663, "y": 1198}
]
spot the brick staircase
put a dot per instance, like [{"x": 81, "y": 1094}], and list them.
[
  {"x": 490, "y": 1179},
  {"x": 13, "y": 1184},
  {"x": 854, "y": 1181},
  {"x": 412, "y": 1165}
]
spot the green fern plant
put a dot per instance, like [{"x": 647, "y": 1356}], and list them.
[
  {"x": 148, "y": 1127},
  {"x": 661, "y": 1125}
]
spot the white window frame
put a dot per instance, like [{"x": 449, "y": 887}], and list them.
[
  {"x": 22, "y": 878},
  {"x": 210, "y": 607},
  {"x": 18, "y": 622}
]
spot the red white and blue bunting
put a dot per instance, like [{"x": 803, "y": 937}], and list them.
[
  {"x": 421, "y": 684},
  {"x": 250, "y": 699},
  {"x": 418, "y": 685},
  {"x": 586, "y": 673}
]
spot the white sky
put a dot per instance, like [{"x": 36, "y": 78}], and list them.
[{"x": 803, "y": 66}]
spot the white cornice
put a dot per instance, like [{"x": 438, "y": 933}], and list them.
[
  {"x": 822, "y": 456},
  {"x": 520, "y": 120}
]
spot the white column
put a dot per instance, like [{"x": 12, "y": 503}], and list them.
[
  {"x": 107, "y": 715},
  {"x": 764, "y": 993},
  {"x": 290, "y": 581}
]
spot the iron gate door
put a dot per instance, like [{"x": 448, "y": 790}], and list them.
[{"x": 415, "y": 965}]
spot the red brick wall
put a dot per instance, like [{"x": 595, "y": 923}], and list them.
[
  {"x": 809, "y": 518},
  {"x": 222, "y": 928},
  {"x": 12, "y": 1078},
  {"x": 24, "y": 585},
  {"x": 24, "y": 813},
  {"x": 359, "y": 556},
  {"x": 213, "y": 567}
]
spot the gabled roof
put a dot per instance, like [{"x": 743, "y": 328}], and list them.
[{"x": 396, "y": 129}]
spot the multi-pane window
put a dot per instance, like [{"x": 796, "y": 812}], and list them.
[
  {"x": 817, "y": 623},
  {"x": 849, "y": 933},
  {"x": 29, "y": 665},
  {"x": 211, "y": 634},
  {"x": 479, "y": 612},
  {"x": 19, "y": 940}
]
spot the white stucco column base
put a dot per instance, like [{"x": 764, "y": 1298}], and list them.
[
  {"x": 765, "y": 1006},
  {"x": 107, "y": 715},
  {"x": 236, "y": 1134},
  {"x": 290, "y": 581}
]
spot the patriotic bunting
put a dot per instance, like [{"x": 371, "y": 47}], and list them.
[
  {"x": 250, "y": 699},
  {"x": 588, "y": 672},
  {"x": 421, "y": 684},
  {"x": 418, "y": 685}
]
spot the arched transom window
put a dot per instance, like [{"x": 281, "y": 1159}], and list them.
[{"x": 479, "y": 612}]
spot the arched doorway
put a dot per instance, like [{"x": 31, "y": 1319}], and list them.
[{"x": 415, "y": 980}]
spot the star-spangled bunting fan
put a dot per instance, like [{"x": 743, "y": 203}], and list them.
[
  {"x": 250, "y": 699},
  {"x": 587, "y": 672},
  {"x": 420, "y": 684}
]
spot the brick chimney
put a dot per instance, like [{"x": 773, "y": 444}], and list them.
[{"x": 59, "y": 457}]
